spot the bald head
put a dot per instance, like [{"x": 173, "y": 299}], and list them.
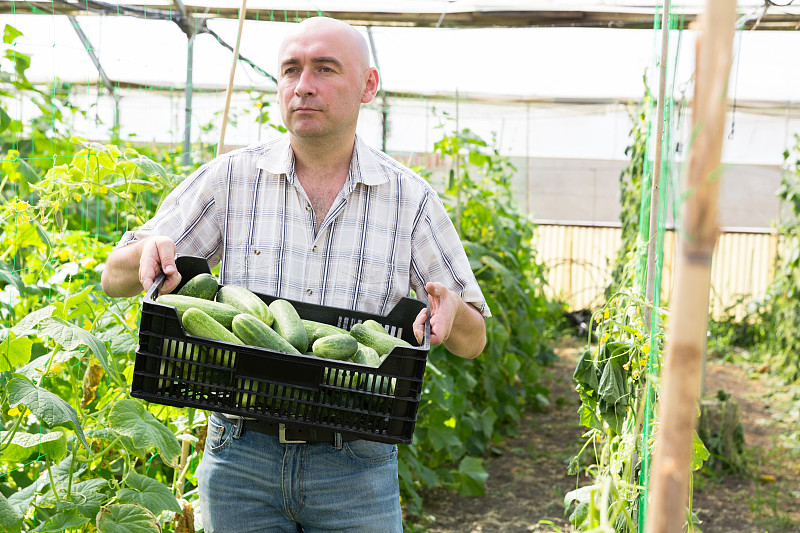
[
  {"x": 346, "y": 36},
  {"x": 324, "y": 78}
]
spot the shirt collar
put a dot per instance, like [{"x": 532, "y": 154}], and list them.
[{"x": 365, "y": 166}]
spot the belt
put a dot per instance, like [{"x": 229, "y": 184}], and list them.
[{"x": 289, "y": 434}]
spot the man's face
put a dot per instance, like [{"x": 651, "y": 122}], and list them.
[{"x": 322, "y": 81}]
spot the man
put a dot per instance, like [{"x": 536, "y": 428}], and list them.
[{"x": 316, "y": 216}]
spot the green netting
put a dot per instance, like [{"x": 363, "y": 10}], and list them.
[{"x": 668, "y": 173}]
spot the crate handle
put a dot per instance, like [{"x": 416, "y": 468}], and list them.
[
  {"x": 152, "y": 293},
  {"x": 188, "y": 266}
]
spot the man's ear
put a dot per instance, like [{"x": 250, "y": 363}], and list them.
[{"x": 371, "y": 86}]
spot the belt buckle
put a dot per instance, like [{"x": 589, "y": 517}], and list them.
[{"x": 282, "y": 436}]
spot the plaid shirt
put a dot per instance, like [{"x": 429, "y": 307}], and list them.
[{"x": 386, "y": 232}]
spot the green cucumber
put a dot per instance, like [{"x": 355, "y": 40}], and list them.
[
  {"x": 378, "y": 384},
  {"x": 374, "y": 325},
  {"x": 199, "y": 323},
  {"x": 222, "y": 313},
  {"x": 340, "y": 346},
  {"x": 255, "y": 332},
  {"x": 188, "y": 356},
  {"x": 245, "y": 301},
  {"x": 246, "y": 400},
  {"x": 380, "y": 342},
  {"x": 201, "y": 286},
  {"x": 367, "y": 356},
  {"x": 317, "y": 330},
  {"x": 340, "y": 378},
  {"x": 289, "y": 325}
]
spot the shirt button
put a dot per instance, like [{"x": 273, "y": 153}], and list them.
[
  {"x": 308, "y": 208},
  {"x": 314, "y": 249},
  {"x": 309, "y": 292}
]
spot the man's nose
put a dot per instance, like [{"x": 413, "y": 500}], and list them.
[{"x": 305, "y": 85}]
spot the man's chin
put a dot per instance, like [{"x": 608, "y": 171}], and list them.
[{"x": 309, "y": 132}]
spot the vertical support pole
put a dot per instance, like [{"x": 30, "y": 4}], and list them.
[
  {"x": 528, "y": 157},
  {"x": 221, "y": 143},
  {"x": 384, "y": 103},
  {"x": 187, "y": 122},
  {"x": 656, "y": 183},
  {"x": 669, "y": 484}
]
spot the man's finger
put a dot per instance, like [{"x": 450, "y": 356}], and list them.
[{"x": 418, "y": 327}]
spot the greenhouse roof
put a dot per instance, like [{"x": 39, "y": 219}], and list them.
[
  {"x": 426, "y": 13},
  {"x": 558, "y": 65}
]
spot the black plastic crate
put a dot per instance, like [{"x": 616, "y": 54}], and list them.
[{"x": 378, "y": 404}]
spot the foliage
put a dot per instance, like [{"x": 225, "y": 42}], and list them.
[
  {"x": 729, "y": 335},
  {"x": 77, "y": 448},
  {"x": 631, "y": 181},
  {"x": 782, "y": 312},
  {"x": 468, "y": 404},
  {"x": 617, "y": 376}
]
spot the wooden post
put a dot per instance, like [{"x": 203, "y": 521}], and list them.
[
  {"x": 656, "y": 181},
  {"x": 221, "y": 143},
  {"x": 677, "y": 416}
]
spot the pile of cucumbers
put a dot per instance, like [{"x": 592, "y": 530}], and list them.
[{"x": 236, "y": 315}]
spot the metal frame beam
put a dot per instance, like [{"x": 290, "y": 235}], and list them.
[{"x": 764, "y": 18}]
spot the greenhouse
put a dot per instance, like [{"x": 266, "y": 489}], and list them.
[{"x": 623, "y": 179}]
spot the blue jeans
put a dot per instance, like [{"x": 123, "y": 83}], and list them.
[{"x": 250, "y": 482}]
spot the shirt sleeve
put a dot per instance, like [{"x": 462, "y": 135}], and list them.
[
  {"x": 189, "y": 216},
  {"x": 438, "y": 255}
]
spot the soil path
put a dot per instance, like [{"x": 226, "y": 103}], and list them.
[{"x": 528, "y": 479}]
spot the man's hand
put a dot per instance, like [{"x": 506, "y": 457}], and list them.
[
  {"x": 135, "y": 267},
  {"x": 454, "y": 322},
  {"x": 158, "y": 255}
]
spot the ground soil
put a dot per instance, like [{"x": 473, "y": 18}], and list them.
[{"x": 528, "y": 479}]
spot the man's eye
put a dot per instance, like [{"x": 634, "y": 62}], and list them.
[
  {"x": 290, "y": 70},
  {"x": 326, "y": 69}
]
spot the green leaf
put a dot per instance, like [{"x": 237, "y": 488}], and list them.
[
  {"x": 580, "y": 514},
  {"x": 36, "y": 368},
  {"x": 10, "y": 33},
  {"x": 129, "y": 418},
  {"x": 63, "y": 520},
  {"x": 22, "y": 499},
  {"x": 588, "y": 418},
  {"x": 699, "y": 451},
  {"x": 150, "y": 167},
  {"x": 28, "y": 324},
  {"x": 471, "y": 476},
  {"x": 14, "y": 352},
  {"x": 443, "y": 437},
  {"x": 149, "y": 493},
  {"x": 488, "y": 419},
  {"x": 5, "y": 120},
  {"x": 71, "y": 336},
  {"x": 12, "y": 277},
  {"x": 613, "y": 416},
  {"x": 19, "y": 172},
  {"x": 586, "y": 373},
  {"x": 23, "y": 445},
  {"x": 126, "y": 518},
  {"x": 44, "y": 404},
  {"x": 10, "y": 519},
  {"x": 85, "y": 497},
  {"x": 580, "y": 495},
  {"x": 613, "y": 388}
]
